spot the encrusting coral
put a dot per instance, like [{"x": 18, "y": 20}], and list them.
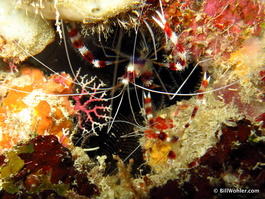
[{"x": 30, "y": 106}]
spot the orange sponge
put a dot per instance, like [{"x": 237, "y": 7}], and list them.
[{"x": 31, "y": 106}]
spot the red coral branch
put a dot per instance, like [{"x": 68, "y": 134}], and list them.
[{"x": 88, "y": 108}]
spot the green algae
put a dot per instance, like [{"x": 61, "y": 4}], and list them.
[{"x": 14, "y": 165}]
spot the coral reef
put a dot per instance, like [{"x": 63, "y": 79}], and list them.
[
  {"x": 244, "y": 67},
  {"x": 77, "y": 135},
  {"x": 235, "y": 162},
  {"x": 87, "y": 110},
  {"x": 32, "y": 106},
  {"x": 230, "y": 33},
  {"x": 23, "y": 33},
  {"x": 175, "y": 141},
  {"x": 211, "y": 28}
]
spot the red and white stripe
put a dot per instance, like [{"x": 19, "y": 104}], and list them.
[
  {"x": 148, "y": 109},
  {"x": 178, "y": 50},
  {"x": 202, "y": 89},
  {"x": 78, "y": 43}
]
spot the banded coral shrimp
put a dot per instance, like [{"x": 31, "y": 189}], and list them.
[
  {"x": 211, "y": 123},
  {"x": 121, "y": 136},
  {"x": 127, "y": 52},
  {"x": 138, "y": 58},
  {"x": 173, "y": 129}
]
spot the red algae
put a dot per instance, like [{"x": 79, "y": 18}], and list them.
[{"x": 48, "y": 170}]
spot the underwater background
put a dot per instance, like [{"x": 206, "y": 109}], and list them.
[{"x": 132, "y": 99}]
